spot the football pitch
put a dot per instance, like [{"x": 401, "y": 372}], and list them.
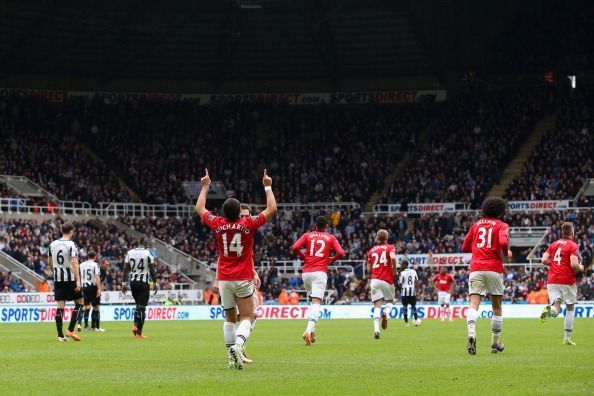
[{"x": 188, "y": 358}]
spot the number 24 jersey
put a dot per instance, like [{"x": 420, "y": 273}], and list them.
[{"x": 139, "y": 260}]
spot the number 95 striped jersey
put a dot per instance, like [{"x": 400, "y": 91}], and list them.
[{"x": 139, "y": 260}]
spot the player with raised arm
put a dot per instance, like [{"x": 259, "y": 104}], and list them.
[
  {"x": 138, "y": 264},
  {"x": 409, "y": 283},
  {"x": 314, "y": 249},
  {"x": 91, "y": 282},
  {"x": 563, "y": 259},
  {"x": 235, "y": 266},
  {"x": 381, "y": 265},
  {"x": 445, "y": 284},
  {"x": 488, "y": 241},
  {"x": 63, "y": 261}
]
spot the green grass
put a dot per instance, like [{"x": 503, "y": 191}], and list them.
[{"x": 188, "y": 358}]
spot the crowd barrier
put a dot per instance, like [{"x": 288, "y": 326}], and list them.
[{"x": 109, "y": 313}]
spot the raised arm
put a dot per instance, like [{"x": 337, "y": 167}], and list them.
[
  {"x": 270, "y": 200},
  {"x": 201, "y": 202}
]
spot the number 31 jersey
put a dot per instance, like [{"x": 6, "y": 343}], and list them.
[
  {"x": 487, "y": 240},
  {"x": 235, "y": 241},
  {"x": 139, "y": 260}
]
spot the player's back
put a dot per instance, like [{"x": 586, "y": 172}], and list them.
[
  {"x": 88, "y": 272},
  {"x": 62, "y": 251},
  {"x": 139, "y": 260},
  {"x": 381, "y": 264},
  {"x": 318, "y": 246},
  {"x": 235, "y": 241},
  {"x": 408, "y": 281},
  {"x": 487, "y": 240},
  {"x": 560, "y": 271}
]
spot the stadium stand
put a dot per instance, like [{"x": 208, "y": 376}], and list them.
[
  {"x": 468, "y": 149},
  {"x": 562, "y": 162},
  {"x": 27, "y": 241}
]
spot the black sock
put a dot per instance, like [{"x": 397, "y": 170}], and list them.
[
  {"x": 141, "y": 317},
  {"x": 405, "y": 314},
  {"x": 414, "y": 311},
  {"x": 137, "y": 316},
  {"x": 87, "y": 317},
  {"x": 58, "y": 318},
  {"x": 75, "y": 315},
  {"x": 95, "y": 319}
]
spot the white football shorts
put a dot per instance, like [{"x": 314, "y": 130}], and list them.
[
  {"x": 380, "y": 289},
  {"x": 231, "y": 289},
  {"x": 481, "y": 282},
  {"x": 565, "y": 293},
  {"x": 315, "y": 283}
]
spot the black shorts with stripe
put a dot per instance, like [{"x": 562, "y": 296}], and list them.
[
  {"x": 140, "y": 292},
  {"x": 64, "y": 291},
  {"x": 409, "y": 300},
  {"x": 90, "y": 294}
]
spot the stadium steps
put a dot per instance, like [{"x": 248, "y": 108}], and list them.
[
  {"x": 401, "y": 166},
  {"x": 514, "y": 168},
  {"x": 134, "y": 197},
  {"x": 30, "y": 278},
  {"x": 26, "y": 187}
]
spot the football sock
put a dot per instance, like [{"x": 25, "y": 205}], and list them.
[
  {"x": 137, "y": 316},
  {"x": 405, "y": 314},
  {"x": 58, "y": 318},
  {"x": 388, "y": 309},
  {"x": 554, "y": 312},
  {"x": 243, "y": 332},
  {"x": 414, "y": 311},
  {"x": 75, "y": 315},
  {"x": 441, "y": 312},
  {"x": 376, "y": 319},
  {"x": 569, "y": 317},
  {"x": 312, "y": 316},
  {"x": 95, "y": 319},
  {"x": 87, "y": 317},
  {"x": 142, "y": 311},
  {"x": 447, "y": 312},
  {"x": 471, "y": 322},
  {"x": 496, "y": 325},
  {"x": 229, "y": 333}
]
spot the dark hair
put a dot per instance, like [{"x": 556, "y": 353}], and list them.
[
  {"x": 321, "y": 222},
  {"x": 141, "y": 242},
  {"x": 67, "y": 228},
  {"x": 92, "y": 255},
  {"x": 404, "y": 263},
  {"x": 231, "y": 209},
  {"x": 245, "y": 207},
  {"x": 494, "y": 207},
  {"x": 566, "y": 229}
]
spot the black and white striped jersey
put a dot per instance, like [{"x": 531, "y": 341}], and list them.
[
  {"x": 139, "y": 260},
  {"x": 408, "y": 281},
  {"x": 88, "y": 273},
  {"x": 62, "y": 251}
]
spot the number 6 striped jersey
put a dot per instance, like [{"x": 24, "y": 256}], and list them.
[
  {"x": 139, "y": 259},
  {"x": 62, "y": 251},
  {"x": 487, "y": 240}
]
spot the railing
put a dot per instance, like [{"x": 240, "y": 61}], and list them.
[
  {"x": 115, "y": 209},
  {"x": 357, "y": 267},
  {"x": 171, "y": 256},
  {"x": 309, "y": 206}
]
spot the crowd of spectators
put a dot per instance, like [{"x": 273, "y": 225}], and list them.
[
  {"x": 428, "y": 234},
  {"x": 27, "y": 241},
  {"x": 469, "y": 147},
  {"x": 40, "y": 141},
  {"x": 563, "y": 160},
  {"x": 10, "y": 283}
]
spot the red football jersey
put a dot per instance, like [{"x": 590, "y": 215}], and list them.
[
  {"x": 381, "y": 265},
  {"x": 317, "y": 245},
  {"x": 487, "y": 240},
  {"x": 444, "y": 282},
  {"x": 560, "y": 252},
  {"x": 235, "y": 243}
]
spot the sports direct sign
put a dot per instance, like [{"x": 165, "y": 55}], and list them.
[
  {"x": 110, "y": 313},
  {"x": 436, "y": 259},
  {"x": 290, "y": 98},
  {"x": 110, "y": 297},
  {"x": 538, "y": 205}
]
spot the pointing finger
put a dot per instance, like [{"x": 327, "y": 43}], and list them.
[{"x": 206, "y": 171}]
